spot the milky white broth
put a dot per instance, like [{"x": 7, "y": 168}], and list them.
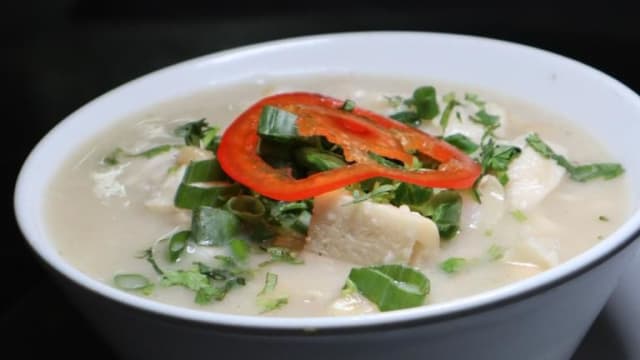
[{"x": 99, "y": 222}]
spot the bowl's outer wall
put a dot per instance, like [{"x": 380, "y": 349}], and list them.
[{"x": 547, "y": 326}]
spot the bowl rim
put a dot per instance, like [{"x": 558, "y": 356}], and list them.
[{"x": 484, "y": 301}]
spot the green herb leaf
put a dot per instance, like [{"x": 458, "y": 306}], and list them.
[
  {"x": 409, "y": 194},
  {"x": 445, "y": 209},
  {"x": 192, "y": 132},
  {"x": 485, "y": 119},
  {"x": 519, "y": 215},
  {"x": 444, "y": 118},
  {"x": 211, "y": 226},
  {"x": 191, "y": 279},
  {"x": 475, "y": 99},
  {"x": 267, "y": 303},
  {"x": 348, "y": 105},
  {"x": 148, "y": 255},
  {"x": 453, "y": 265},
  {"x": 579, "y": 173},
  {"x": 316, "y": 159},
  {"x": 277, "y": 124},
  {"x": 113, "y": 157},
  {"x": 270, "y": 282},
  {"x": 281, "y": 255},
  {"x": 177, "y": 244},
  {"x": 382, "y": 193},
  {"x": 462, "y": 142},
  {"x": 496, "y": 252},
  {"x": 391, "y": 287},
  {"x": 603, "y": 218}
]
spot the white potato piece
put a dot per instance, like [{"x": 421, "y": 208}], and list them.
[
  {"x": 368, "y": 233},
  {"x": 532, "y": 177}
]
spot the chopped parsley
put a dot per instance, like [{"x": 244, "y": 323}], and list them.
[
  {"x": 453, "y": 265},
  {"x": 519, "y": 215}
]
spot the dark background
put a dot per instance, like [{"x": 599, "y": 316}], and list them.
[{"x": 60, "y": 54}]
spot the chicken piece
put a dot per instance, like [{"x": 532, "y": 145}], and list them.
[
  {"x": 368, "y": 233},
  {"x": 532, "y": 177}
]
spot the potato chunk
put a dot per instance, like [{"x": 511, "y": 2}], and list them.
[{"x": 368, "y": 233}]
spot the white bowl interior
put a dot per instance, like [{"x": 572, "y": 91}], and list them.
[{"x": 608, "y": 110}]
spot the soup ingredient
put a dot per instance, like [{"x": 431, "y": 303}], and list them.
[
  {"x": 266, "y": 300},
  {"x": 577, "y": 172},
  {"x": 358, "y": 132},
  {"x": 133, "y": 282},
  {"x": 369, "y": 233},
  {"x": 391, "y": 287}
]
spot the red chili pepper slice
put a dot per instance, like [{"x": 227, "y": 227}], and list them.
[{"x": 358, "y": 132}]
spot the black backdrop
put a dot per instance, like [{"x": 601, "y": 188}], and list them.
[{"x": 61, "y": 54}]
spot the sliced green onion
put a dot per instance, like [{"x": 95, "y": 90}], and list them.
[
  {"x": 318, "y": 160},
  {"x": 426, "y": 103},
  {"x": 204, "y": 171},
  {"x": 213, "y": 227},
  {"x": 246, "y": 207},
  {"x": 462, "y": 142},
  {"x": 410, "y": 118},
  {"x": 191, "y": 196},
  {"x": 239, "y": 249},
  {"x": 177, "y": 244},
  {"x": 485, "y": 119},
  {"x": 131, "y": 281},
  {"x": 391, "y": 287},
  {"x": 277, "y": 124}
]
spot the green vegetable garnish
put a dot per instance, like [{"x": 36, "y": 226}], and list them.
[
  {"x": 603, "y": 218},
  {"x": 579, "y": 173},
  {"x": 425, "y": 101},
  {"x": 212, "y": 226},
  {"x": 445, "y": 209},
  {"x": 246, "y": 207},
  {"x": 193, "y": 132},
  {"x": 281, "y": 255},
  {"x": 410, "y": 118},
  {"x": 317, "y": 159},
  {"x": 204, "y": 171},
  {"x": 132, "y": 282},
  {"x": 475, "y": 99},
  {"x": 192, "y": 196},
  {"x": 177, "y": 244},
  {"x": 239, "y": 249},
  {"x": 485, "y": 119},
  {"x": 453, "y": 265},
  {"x": 114, "y": 157},
  {"x": 519, "y": 215},
  {"x": 451, "y": 103},
  {"x": 348, "y": 105},
  {"x": 391, "y": 287},
  {"x": 462, "y": 142},
  {"x": 277, "y": 124},
  {"x": 148, "y": 255},
  {"x": 269, "y": 303},
  {"x": 496, "y": 252}
]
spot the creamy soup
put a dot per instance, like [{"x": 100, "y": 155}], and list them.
[{"x": 381, "y": 244}]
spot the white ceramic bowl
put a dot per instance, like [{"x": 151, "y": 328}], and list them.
[{"x": 543, "y": 317}]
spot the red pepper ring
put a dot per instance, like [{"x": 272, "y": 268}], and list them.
[{"x": 358, "y": 132}]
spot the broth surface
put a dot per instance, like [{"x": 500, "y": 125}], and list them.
[{"x": 98, "y": 218}]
